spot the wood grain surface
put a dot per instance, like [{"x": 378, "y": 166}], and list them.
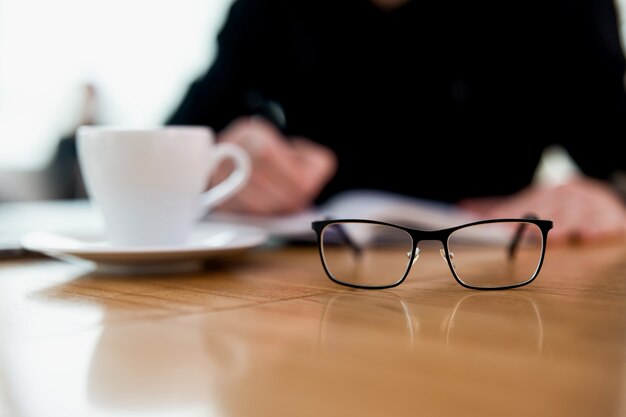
[{"x": 266, "y": 333}]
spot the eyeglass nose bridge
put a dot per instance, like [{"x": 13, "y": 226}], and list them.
[
  {"x": 442, "y": 251},
  {"x": 439, "y": 236}
]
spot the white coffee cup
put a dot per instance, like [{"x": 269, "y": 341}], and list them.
[{"x": 150, "y": 184}]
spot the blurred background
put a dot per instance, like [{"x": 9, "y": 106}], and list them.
[{"x": 69, "y": 62}]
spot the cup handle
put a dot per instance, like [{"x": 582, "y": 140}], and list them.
[{"x": 233, "y": 183}]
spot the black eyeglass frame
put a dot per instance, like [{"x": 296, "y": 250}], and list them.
[{"x": 442, "y": 235}]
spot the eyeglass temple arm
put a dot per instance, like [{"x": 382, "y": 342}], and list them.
[
  {"x": 517, "y": 237},
  {"x": 356, "y": 248}
]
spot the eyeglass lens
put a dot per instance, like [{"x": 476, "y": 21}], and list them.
[
  {"x": 364, "y": 254},
  {"x": 512, "y": 257}
]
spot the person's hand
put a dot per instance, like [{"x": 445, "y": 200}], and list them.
[
  {"x": 583, "y": 209},
  {"x": 287, "y": 174}
]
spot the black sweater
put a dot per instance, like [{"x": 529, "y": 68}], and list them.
[{"x": 436, "y": 99}]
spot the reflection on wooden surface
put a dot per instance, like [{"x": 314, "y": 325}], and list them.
[{"x": 267, "y": 334}]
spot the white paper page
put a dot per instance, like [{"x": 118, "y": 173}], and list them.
[
  {"x": 395, "y": 208},
  {"x": 357, "y": 204}
]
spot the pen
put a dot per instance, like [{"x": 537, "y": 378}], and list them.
[{"x": 270, "y": 110}]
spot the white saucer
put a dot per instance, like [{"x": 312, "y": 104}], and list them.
[{"x": 208, "y": 240}]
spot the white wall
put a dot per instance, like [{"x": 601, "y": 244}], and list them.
[{"x": 139, "y": 54}]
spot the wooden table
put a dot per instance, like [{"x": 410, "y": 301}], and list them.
[{"x": 267, "y": 334}]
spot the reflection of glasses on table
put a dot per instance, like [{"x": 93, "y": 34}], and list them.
[
  {"x": 478, "y": 319},
  {"x": 487, "y": 254}
]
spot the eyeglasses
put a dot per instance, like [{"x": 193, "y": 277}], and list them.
[{"x": 486, "y": 255}]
